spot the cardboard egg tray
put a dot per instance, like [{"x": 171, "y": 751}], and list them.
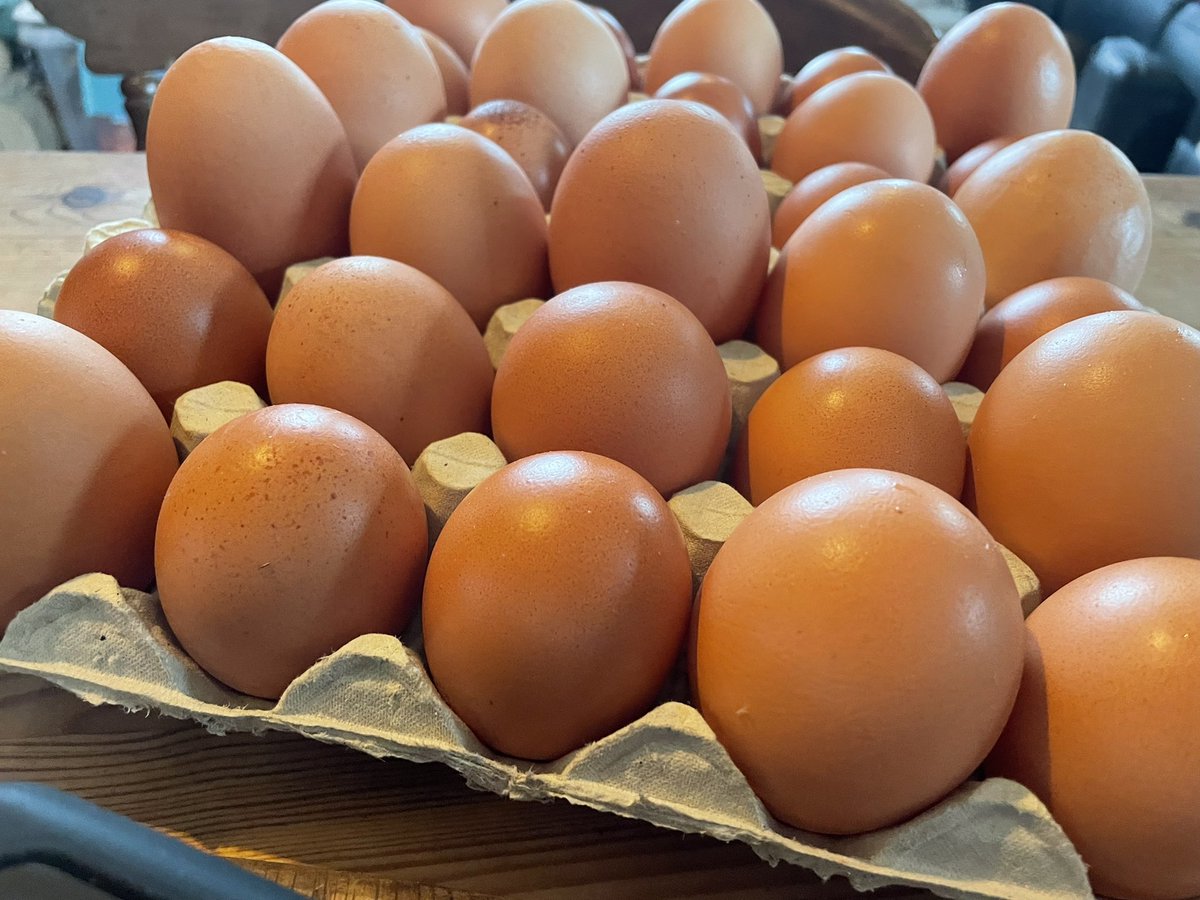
[{"x": 109, "y": 644}]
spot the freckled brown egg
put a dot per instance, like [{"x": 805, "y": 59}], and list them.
[
  {"x": 386, "y": 344},
  {"x": 858, "y": 649},
  {"x": 456, "y": 77},
  {"x": 85, "y": 458},
  {"x": 857, "y": 408},
  {"x": 287, "y": 533},
  {"x": 556, "y": 603},
  {"x": 816, "y": 189},
  {"x": 626, "y": 42},
  {"x": 1004, "y": 70},
  {"x": 722, "y": 95},
  {"x": 621, "y": 370},
  {"x": 452, "y": 204},
  {"x": 1017, "y": 321},
  {"x": 830, "y": 66},
  {"x": 179, "y": 311},
  {"x": 529, "y": 137},
  {"x": 460, "y": 23},
  {"x": 1083, "y": 451},
  {"x": 964, "y": 167}
]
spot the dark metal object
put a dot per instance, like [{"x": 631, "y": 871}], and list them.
[{"x": 139, "y": 91}]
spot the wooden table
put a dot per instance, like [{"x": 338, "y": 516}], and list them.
[{"x": 284, "y": 799}]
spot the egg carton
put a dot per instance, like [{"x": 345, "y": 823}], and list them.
[{"x": 112, "y": 645}]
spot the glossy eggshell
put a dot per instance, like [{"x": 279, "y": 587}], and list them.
[
  {"x": 1005, "y": 69},
  {"x": 887, "y": 264},
  {"x": 556, "y": 56},
  {"x": 529, "y": 136},
  {"x": 964, "y": 167},
  {"x": 722, "y": 95},
  {"x": 556, "y": 603},
  {"x": 816, "y": 189},
  {"x": 828, "y": 67},
  {"x": 735, "y": 39},
  {"x": 626, "y": 43},
  {"x": 460, "y": 23},
  {"x": 870, "y": 118},
  {"x": 452, "y": 204},
  {"x": 858, "y": 649},
  {"x": 621, "y": 370},
  {"x": 456, "y": 77},
  {"x": 244, "y": 150},
  {"x": 287, "y": 533},
  {"x": 858, "y": 408},
  {"x": 85, "y": 458},
  {"x": 1084, "y": 449},
  {"x": 386, "y": 344},
  {"x": 664, "y": 193},
  {"x": 1017, "y": 321},
  {"x": 1063, "y": 203},
  {"x": 1106, "y": 729},
  {"x": 177, "y": 310}
]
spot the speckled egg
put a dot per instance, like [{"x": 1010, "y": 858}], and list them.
[
  {"x": 722, "y": 95},
  {"x": 828, "y": 67},
  {"x": 527, "y": 135}
]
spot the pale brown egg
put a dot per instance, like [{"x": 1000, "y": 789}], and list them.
[
  {"x": 529, "y": 136},
  {"x": 456, "y": 77},
  {"x": 460, "y": 23},
  {"x": 1062, "y": 203},
  {"x": 1017, "y": 321},
  {"x": 869, "y": 118},
  {"x": 816, "y": 189},
  {"x": 722, "y": 95},
  {"x": 373, "y": 67},
  {"x": 244, "y": 150},
  {"x": 287, "y": 533},
  {"x": 556, "y": 603},
  {"x": 85, "y": 459},
  {"x": 386, "y": 344},
  {"x": 452, "y": 204},
  {"x": 858, "y": 408},
  {"x": 664, "y": 193},
  {"x": 1083, "y": 451},
  {"x": 626, "y": 42},
  {"x": 964, "y": 167},
  {"x": 735, "y": 39},
  {"x": 828, "y": 67},
  {"x": 177, "y": 310},
  {"x": 557, "y": 56},
  {"x": 621, "y": 370},
  {"x": 1106, "y": 730},
  {"x": 1004, "y": 70},
  {"x": 858, "y": 649}
]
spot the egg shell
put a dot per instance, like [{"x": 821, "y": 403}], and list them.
[
  {"x": 625, "y": 42},
  {"x": 1106, "y": 729},
  {"x": 460, "y": 23},
  {"x": 244, "y": 150},
  {"x": 858, "y": 649},
  {"x": 816, "y": 189},
  {"x": 722, "y": 95},
  {"x": 1004, "y": 70},
  {"x": 287, "y": 533},
  {"x": 964, "y": 167},
  {"x": 84, "y": 462},
  {"x": 829, "y": 67},
  {"x": 1062, "y": 203},
  {"x": 176, "y": 309},
  {"x": 664, "y": 193},
  {"x": 556, "y": 603},
  {"x": 456, "y": 77},
  {"x": 1017, "y": 321},
  {"x": 556, "y": 56},
  {"x": 870, "y": 118},
  {"x": 529, "y": 136},
  {"x": 1083, "y": 451},
  {"x": 452, "y": 204},
  {"x": 735, "y": 39}
]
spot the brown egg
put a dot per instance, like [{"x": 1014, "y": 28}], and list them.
[
  {"x": 178, "y": 311},
  {"x": 869, "y": 118},
  {"x": 858, "y": 649},
  {"x": 460, "y": 23},
  {"x": 554, "y": 55},
  {"x": 830, "y": 66},
  {"x": 386, "y": 344},
  {"x": 1017, "y": 321},
  {"x": 454, "y": 205},
  {"x": 286, "y": 534},
  {"x": 628, "y": 208},
  {"x": 735, "y": 39},
  {"x": 1063, "y": 203},
  {"x": 857, "y": 408},
  {"x": 1004, "y": 70},
  {"x": 556, "y": 603},
  {"x": 722, "y": 95},
  {"x": 815, "y": 190},
  {"x": 621, "y": 370},
  {"x": 887, "y": 264},
  {"x": 964, "y": 167},
  {"x": 626, "y": 42},
  {"x": 529, "y": 137},
  {"x": 244, "y": 150},
  {"x": 1083, "y": 451},
  {"x": 372, "y": 66},
  {"x": 84, "y": 462},
  {"x": 456, "y": 77},
  {"x": 1106, "y": 729}
]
